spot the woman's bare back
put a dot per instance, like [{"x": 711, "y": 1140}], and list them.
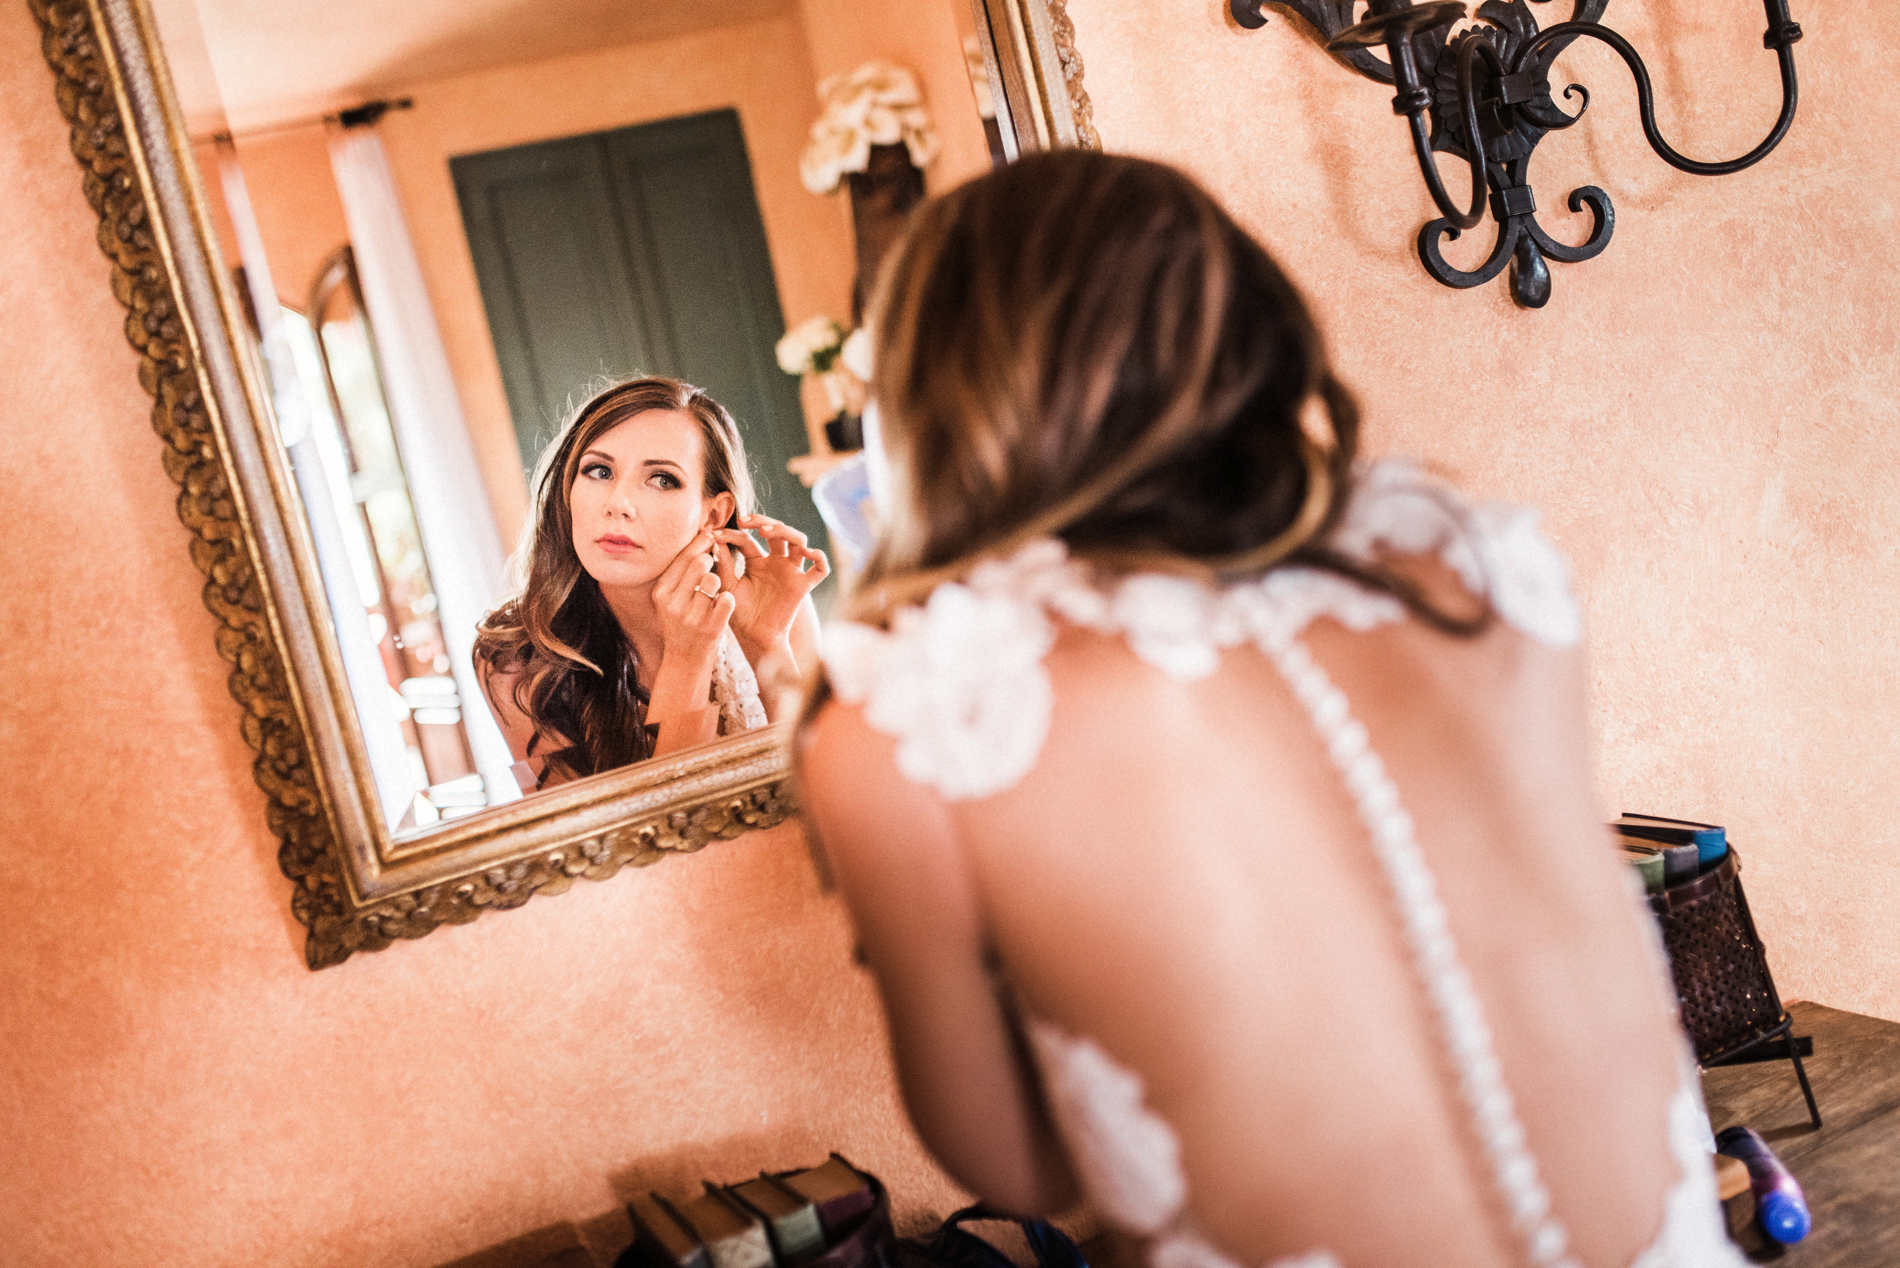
[
  {"x": 1178, "y": 876},
  {"x": 1226, "y": 933}
]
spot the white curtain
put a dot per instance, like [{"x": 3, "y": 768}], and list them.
[
  {"x": 459, "y": 535},
  {"x": 397, "y": 781}
]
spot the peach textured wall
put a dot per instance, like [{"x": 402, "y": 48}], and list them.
[
  {"x": 175, "y": 1088},
  {"x": 760, "y": 69},
  {"x": 1706, "y": 413}
]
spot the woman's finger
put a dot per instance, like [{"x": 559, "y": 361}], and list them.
[
  {"x": 677, "y": 570},
  {"x": 778, "y": 531},
  {"x": 723, "y": 566},
  {"x": 745, "y": 542},
  {"x": 693, "y": 573},
  {"x": 820, "y": 565},
  {"x": 698, "y": 598},
  {"x": 719, "y": 611}
]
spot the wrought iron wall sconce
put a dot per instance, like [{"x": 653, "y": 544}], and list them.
[{"x": 1492, "y": 81}]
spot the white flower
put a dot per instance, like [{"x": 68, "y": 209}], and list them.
[
  {"x": 835, "y": 149},
  {"x": 855, "y": 355},
  {"x": 1167, "y": 621},
  {"x": 1528, "y": 575},
  {"x": 1042, "y": 573},
  {"x": 979, "y": 77},
  {"x": 879, "y": 81},
  {"x": 919, "y": 137},
  {"x": 876, "y": 104},
  {"x": 809, "y": 343},
  {"x": 881, "y": 126}
]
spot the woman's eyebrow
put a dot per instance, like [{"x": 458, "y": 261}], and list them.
[
  {"x": 662, "y": 462},
  {"x": 597, "y": 453}
]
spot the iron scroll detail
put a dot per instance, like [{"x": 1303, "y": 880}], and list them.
[{"x": 1483, "y": 95}]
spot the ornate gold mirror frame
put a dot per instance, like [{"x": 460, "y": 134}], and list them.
[{"x": 357, "y": 888}]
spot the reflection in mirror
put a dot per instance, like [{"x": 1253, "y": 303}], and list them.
[
  {"x": 455, "y": 222},
  {"x": 658, "y": 611},
  {"x": 350, "y": 416}
]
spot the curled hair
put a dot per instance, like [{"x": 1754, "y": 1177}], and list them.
[
  {"x": 576, "y": 675},
  {"x": 1086, "y": 346}
]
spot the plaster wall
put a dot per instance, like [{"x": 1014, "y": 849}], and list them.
[
  {"x": 1706, "y": 413},
  {"x": 175, "y": 1088}
]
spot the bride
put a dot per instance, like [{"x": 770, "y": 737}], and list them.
[
  {"x": 1215, "y": 810},
  {"x": 658, "y": 611}
]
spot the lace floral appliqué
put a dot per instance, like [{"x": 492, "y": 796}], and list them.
[
  {"x": 735, "y": 689},
  {"x": 1128, "y": 1156},
  {"x": 960, "y": 682}
]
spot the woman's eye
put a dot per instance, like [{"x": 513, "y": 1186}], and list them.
[
  {"x": 666, "y": 481},
  {"x": 597, "y": 471}
]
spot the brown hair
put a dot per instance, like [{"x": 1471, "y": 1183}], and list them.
[
  {"x": 1086, "y": 346},
  {"x": 576, "y": 674}
]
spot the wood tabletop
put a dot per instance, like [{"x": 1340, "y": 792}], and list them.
[{"x": 1850, "y": 1168}]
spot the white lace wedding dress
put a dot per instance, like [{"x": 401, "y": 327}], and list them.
[
  {"x": 960, "y": 683},
  {"x": 735, "y": 689}
]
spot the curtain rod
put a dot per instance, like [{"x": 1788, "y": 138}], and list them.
[{"x": 363, "y": 116}]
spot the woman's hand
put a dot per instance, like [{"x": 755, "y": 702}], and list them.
[
  {"x": 693, "y": 604},
  {"x": 772, "y": 583},
  {"x": 770, "y": 586},
  {"x": 694, "y": 609}
]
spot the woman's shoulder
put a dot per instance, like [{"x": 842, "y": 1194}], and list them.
[
  {"x": 1497, "y": 549},
  {"x": 961, "y": 680}
]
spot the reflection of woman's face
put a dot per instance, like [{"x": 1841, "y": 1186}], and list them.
[{"x": 637, "y": 502}]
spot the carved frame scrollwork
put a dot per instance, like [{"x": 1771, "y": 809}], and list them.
[
  {"x": 117, "y": 181},
  {"x": 1029, "y": 46}
]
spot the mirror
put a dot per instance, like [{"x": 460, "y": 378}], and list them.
[
  {"x": 452, "y": 225},
  {"x": 373, "y": 259}
]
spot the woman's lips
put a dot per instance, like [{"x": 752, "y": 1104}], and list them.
[{"x": 614, "y": 544}]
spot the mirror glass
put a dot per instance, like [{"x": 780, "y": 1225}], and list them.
[{"x": 450, "y": 222}]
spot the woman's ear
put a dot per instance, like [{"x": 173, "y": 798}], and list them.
[{"x": 720, "y": 508}]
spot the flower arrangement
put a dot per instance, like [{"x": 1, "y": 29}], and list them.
[
  {"x": 810, "y": 347},
  {"x": 876, "y": 104},
  {"x": 854, "y": 354},
  {"x": 818, "y": 348}
]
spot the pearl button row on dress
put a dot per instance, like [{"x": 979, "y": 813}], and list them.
[{"x": 1447, "y": 983}]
